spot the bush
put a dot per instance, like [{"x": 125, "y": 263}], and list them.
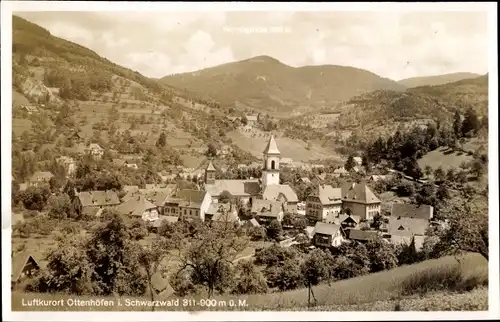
[
  {"x": 248, "y": 280},
  {"x": 137, "y": 229},
  {"x": 41, "y": 224}
]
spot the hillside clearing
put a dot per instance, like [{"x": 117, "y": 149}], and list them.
[
  {"x": 289, "y": 148},
  {"x": 443, "y": 158}
]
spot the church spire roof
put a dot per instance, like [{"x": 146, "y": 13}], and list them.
[{"x": 271, "y": 147}]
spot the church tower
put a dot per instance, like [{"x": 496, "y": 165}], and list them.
[
  {"x": 271, "y": 172},
  {"x": 210, "y": 174}
]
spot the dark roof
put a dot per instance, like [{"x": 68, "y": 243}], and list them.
[
  {"x": 412, "y": 211},
  {"x": 135, "y": 206},
  {"x": 358, "y": 234},
  {"x": 98, "y": 198},
  {"x": 191, "y": 195},
  {"x": 19, "y": 261}
]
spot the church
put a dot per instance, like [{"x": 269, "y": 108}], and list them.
[{"x": 268, "y": 188}]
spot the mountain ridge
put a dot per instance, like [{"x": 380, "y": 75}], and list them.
[
  {"x": 433, "y": 80},
  {"x": 265, "y": 83}
]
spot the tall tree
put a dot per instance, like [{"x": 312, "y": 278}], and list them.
[
  {"x": 315, "y": 268},
  {"x": 457, "y": 125},
  {"x": 349, "y": 164},
  {"x": 162, "y": 140},
  {"x": 470, "y": 125}
]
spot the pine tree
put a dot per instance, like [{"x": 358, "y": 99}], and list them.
[
  {"x": 457, "y": 125},
  {"x": 471, "y": 124},
  {"x": 349, "y": 165}
]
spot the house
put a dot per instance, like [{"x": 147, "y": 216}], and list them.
[
  {"x": 68, "y": 163},
  {"x": 189, "y": 204},
  {"x": 251, "y": 120},
  {"x": 284, "y": 194},
  {"x": 380, "y": 177},
  {"x": 267, "y": 210},
  {"x": 344, "y": 220},
  {"x": 139, "y": 207},
  {"x": 359, "y": 200},
  {"x": 23, "y": 265},
  {"x": 31, "y": 109},
  {"x": 94, "y": 150},
  {"x": 77, "y": 137},
  {"x": 358, "y": 160},
  {"x": 95, "y": 199},
  {"x": 327, "y": 235},
  {"x": 323, "y": 201},
  {"x": 215, "y": 210},
  {"x": 234, "y": 119},
  {"x": 40, "y": 178},
  {"x": 362, "y": 235},
  {"x": 412, "y": 211},
  {"x": 406, "y": 226},
  {"x": 339, "y": 172},
  {"x": 221, "y": 214},
  {"x": 246, "y": 190},
  {"x": 305, "y": 180},
  {"x": 119, "y": 163},
  {"x": 252, "y": 223},
  {"x": 401, "y": 230}
]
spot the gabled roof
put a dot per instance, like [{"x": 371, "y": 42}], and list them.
[
  {"x": 405, "y": 226},
  {"x": 271, "y": 147},
  {"x": 272, "y": 192},
  {"x": 135, "y": 206},
  {"x": 237, "y": 188},
  {"x": 210, "y": 167},
  {"x": 327, "y": 194},
  {"x": 358, "y": 234},
  {"x": 98, "y": 198},
  {"x": 170, "y": 219},
  {"x": 19, "y": 261},
  {"x": 192, "y": 195},
  {"x": 325, "y": 229},
  {"x": 266, "y": 208},
  {"x": 94, "y": 146},
  {"x": 358, "y": 192},
  {"x": 412, "y": 211}
]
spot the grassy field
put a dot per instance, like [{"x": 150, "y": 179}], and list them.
[
  {"x": 442, "y": 158},
  {"x": 289, "y": 148},
  {"x": 377, "y": 291},
  {"x": 20, "y": 125}
]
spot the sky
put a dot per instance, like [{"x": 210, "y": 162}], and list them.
[{"x": 395, "y": 45}]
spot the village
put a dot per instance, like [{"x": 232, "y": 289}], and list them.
[{"x": 331, "y": 215}]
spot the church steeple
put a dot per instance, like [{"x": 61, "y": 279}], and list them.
[
  {"x": 210, "y": 173},
  {"x": 270, "y": 173}
]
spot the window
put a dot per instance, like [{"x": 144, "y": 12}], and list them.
[{"x": 273, "y": 165}]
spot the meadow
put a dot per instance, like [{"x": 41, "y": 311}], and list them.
[
  {"x": 443, "y": 284},
  {"x": 443, "y": 158},
  {"x": 289, "y": 148}
]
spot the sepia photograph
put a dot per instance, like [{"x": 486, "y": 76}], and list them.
[{"x": 249, "y": 157}]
